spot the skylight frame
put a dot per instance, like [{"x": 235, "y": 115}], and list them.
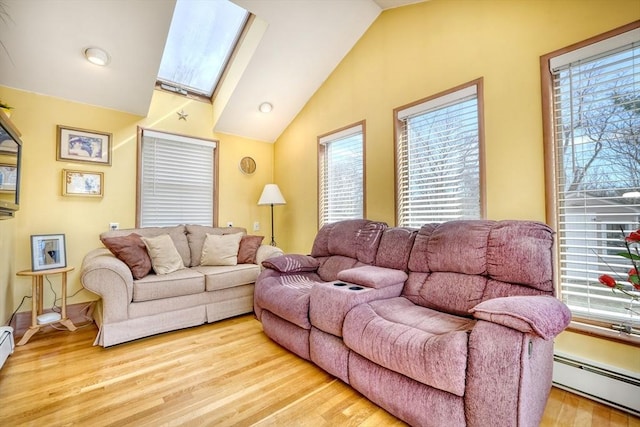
[{"x": 184, "y": 88}]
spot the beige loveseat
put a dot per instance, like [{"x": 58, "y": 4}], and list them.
[{"x": 132, "y": 308}]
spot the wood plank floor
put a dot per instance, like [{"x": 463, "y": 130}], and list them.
[{"x": 223, "y": 374}]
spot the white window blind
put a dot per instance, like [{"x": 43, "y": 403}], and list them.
[
  {"x": 596, "y": 114},
  {"x": 176, "y": 180},
  {"x": 341, "y": 176},
  {"x": 438, "y": 160}
]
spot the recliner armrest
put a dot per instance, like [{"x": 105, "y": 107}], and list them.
[
  {"x": 544, "y": 315},
  {"x": 372, "y": 276},
  {"x": 292, "y": 263}
]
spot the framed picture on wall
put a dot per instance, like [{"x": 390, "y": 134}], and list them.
[
  {"x": 81, "y": 145},
  {"x": 48, "y": 251},
  {"x": 82, "y": 183}
]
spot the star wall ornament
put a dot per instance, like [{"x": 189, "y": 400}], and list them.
[{"x": 182, "y": 115}]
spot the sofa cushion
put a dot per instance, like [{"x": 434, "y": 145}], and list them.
[
  {"x": 358, "y": 239},
  {"x": 373, "y": 277},
  {"x": 132, "y": 251},
  {"x": 291, "y": 263},
  {"x": 248, "y": 248},
  {"x": 287, "y": 296},
  {"x": 453, "y": 293},
  {"x": 395, "y": 247},
  {"x": 220, "y": 249},
  {"x": 178, "y": 283},
  {"x": 423, "y": 344},
  {"x": 520, "y": 252},
  {"x": 163, "y": 253},
  {"x": 176, "y": 233},
  {"x": 195, "y": 235},
  {"x": 224, "y": 276},
  {"x": 331, "y": 266}
]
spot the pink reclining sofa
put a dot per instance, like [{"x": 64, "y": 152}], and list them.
[{"x": 448, "y": 325}]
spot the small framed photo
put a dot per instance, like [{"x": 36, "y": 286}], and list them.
[
  {"x": 48, "y": 251},
  {"x": 82, "y": 183},
  {"x": 8, "y": 178},
  {"x": 81, "y": 145}
]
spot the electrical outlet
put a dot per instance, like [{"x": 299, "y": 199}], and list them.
[
  {"x": 256, "y": 226},
  {"x": 229, "y": 224},
  {"x": 114, "y": 226}
]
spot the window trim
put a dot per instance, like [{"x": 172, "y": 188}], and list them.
[
  {"x": 397, "y": 136},
  {"x": 335, "y": 134},
  {"x": 578, "y": 324},
  {"x": 216, "y": 172}
]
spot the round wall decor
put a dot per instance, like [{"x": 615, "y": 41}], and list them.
[{"x": 247, "y": 165}]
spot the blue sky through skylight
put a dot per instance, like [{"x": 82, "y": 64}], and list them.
[{"x": 202, "y": 36}]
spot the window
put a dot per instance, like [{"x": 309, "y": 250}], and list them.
[
  {"x": 341, "y": 175},
  {"x": 592, "y": 131},
  {"x": 176, "y": 180},
  {"x": 438, "y": 158},
  {"x": 202, "y": 37}
]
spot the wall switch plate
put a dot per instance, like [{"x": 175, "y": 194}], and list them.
[
  {"x": 229, "y": 224},
  {"x": 114, "y": 226},
  {"x": 256, "y": 226}
]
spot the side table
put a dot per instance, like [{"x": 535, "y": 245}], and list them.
[{"x": 37, "y": 301}]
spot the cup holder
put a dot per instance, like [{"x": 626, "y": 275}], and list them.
[
  {"x": 356, "y": 288},
  {"x": 339, "y": 284}
]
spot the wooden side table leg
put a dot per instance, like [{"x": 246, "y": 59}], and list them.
[
  {"x": 27, "y": 335},
  {"x": 34, "y": 301},
  {"x": 65, "y": 320},
  {"x": 68, "y": 324},
  {"x": 36, "y": 304}
]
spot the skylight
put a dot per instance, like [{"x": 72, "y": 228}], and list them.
[{"x": 201, "y": 39}]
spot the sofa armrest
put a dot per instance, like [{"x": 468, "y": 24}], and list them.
[
  {"x": 373, "y": 277},
  {"x": 107, "y": 276},
  {"x": 544, "y": 315},
  {"x": 292, "y": 263},
  {"x": 267, "y": 251}
]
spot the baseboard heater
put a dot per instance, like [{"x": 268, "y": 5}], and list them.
[
  {"x": 6, "y": 343},
  {"x": 612, "y": 386}
]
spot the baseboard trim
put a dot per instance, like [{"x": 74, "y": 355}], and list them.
[{"x": 80, "y": 314}]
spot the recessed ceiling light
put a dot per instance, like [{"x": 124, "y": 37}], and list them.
[
  {"x": 97, "y": 56},
  {"x": 265, "y": 107}
]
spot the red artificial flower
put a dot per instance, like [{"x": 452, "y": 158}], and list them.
[
  {"x": 633, "y": 237},
  {"x": 607, "y": 280},
  {"x": 634, "y": 279}
]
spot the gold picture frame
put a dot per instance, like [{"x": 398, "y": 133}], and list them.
[
  {"x": 82, "y": 183},
  {"x": 82, "y": 145}
]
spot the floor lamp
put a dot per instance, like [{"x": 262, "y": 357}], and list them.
[{"x": 271, "y": 195}]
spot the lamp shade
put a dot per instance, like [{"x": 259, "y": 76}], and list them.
[{"x": 271, "y": 195}]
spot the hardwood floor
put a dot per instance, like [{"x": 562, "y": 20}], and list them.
[{"x": 224, "y": 374}]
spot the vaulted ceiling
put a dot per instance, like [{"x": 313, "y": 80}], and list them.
[{"x": 294, "y": 46}]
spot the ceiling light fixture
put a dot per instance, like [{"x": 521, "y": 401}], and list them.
[
  {"x": 265, "y": 107},
  {"x": 97, "y": 56}
]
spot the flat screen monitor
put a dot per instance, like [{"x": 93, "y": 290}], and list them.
[{"x": 10, "y": 156}]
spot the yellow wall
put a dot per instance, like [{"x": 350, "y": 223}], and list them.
[
  {"x": 43, "y": 210},
  {"x": 416, "y": 51}
]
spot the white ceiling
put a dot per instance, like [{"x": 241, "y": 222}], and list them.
[{"x": 303, "y": 42}]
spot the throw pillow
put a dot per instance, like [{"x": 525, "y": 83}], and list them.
[
  {"x": 292, "y": 263},
  {"x": 248, "y": 248},
  {"x": 131, "y": 250},
  {"x": 164, "y": 256},
  {"x": 220, "y": 249}
]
